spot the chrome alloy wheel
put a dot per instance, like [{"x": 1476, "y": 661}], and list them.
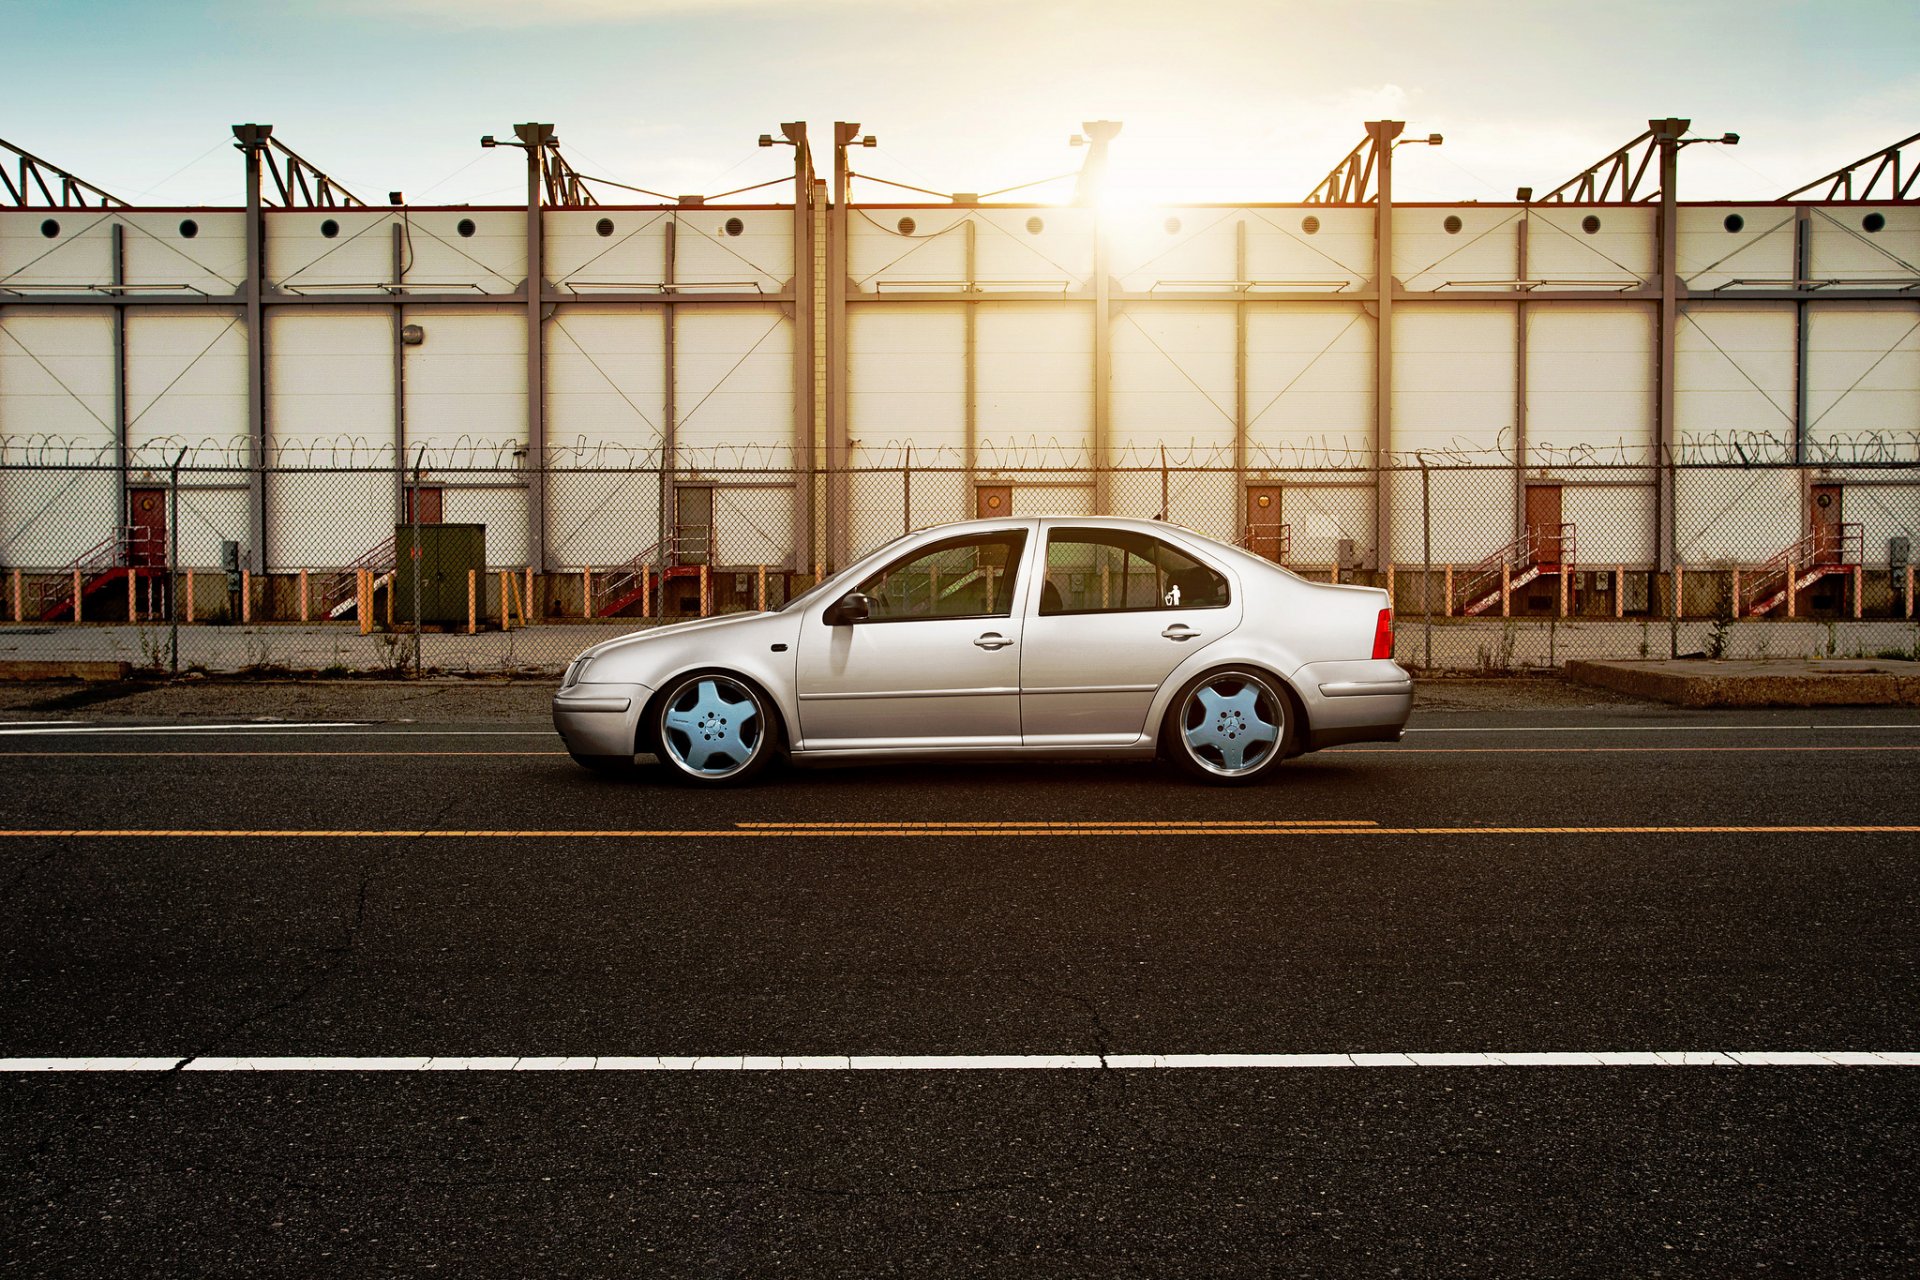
[
  {"x": 713, "y": 728},
  {"x": 1232, "y": 724}
]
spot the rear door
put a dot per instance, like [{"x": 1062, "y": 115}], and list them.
[{"x": 1113, "y": 613}]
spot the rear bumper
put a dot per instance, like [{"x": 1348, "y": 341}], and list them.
[
  {"x": 1365, "y": 701},
  {"x": 600, "y": 719}
]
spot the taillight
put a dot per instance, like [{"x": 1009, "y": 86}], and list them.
[{"x": 1383, "y": 635}]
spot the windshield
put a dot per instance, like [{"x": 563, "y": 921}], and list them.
[{"x": 807, "y": 596}]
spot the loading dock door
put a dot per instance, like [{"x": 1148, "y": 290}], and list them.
[
  {"x": 1543, "y": 523},
  {"x": 1823, "y": 521},
  {"x": 992, "y": 501},
  {"x": 1263, "y": 521},
  {"x": 146, "y": 527},
  {"x": 430, "y": 504}
]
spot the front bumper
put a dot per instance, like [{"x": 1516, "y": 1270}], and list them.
[
  {"x": 1362, "y": 701},
  {"x": 600, "y": 719}
]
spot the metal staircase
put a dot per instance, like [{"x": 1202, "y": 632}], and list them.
[
  {"x": 1834, "y": 549},
  {"x": 133, "y": 550},
  {"x": 339, "y": 593},
  {"x": 1540, "y": 550},
  {"x": 1261, "y": 538},
  {"x": 688, "y": 549}
]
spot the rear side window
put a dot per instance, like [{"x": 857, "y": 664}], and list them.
[{"x": 1115, "y": 571}]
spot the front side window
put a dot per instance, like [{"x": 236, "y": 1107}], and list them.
[
  {"x": 965, "y": 577},
  {"x": 1114, "y": 571}
]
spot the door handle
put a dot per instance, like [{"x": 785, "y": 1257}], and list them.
[
  {"x": 1179, "y": 631},
  {"x": 993, "y": 640}
]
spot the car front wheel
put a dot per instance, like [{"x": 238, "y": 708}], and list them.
[
  {"x": 1229, "y": 727},
  {"x": 714, "y": 730}
]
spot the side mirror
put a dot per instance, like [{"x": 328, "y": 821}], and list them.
[{"x": 850, "y": 608}]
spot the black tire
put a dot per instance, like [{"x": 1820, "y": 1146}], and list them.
[
  {"x": 607, "y": 766},
  {"x": 713, "y": 729},
  {"x": 1234, "y": 749}
]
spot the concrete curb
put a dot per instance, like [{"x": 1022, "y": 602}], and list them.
[
  {"x": 1815, "y": 682},
  {"x": 85, "y": 670}
]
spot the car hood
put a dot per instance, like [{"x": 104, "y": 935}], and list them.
[{"x": 673, "y": 630}]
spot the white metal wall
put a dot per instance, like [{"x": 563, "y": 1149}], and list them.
[
  {"x": 1590, "y": 381},
  {"x": 1734, "y": 381}
]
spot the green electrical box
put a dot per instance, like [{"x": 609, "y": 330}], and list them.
[{"x": 446, "y": 554}]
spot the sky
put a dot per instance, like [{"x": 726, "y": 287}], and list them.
[{"x": 1221, "y": 100}]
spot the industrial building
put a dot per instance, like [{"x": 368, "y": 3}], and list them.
[{"x": 694, "y": 402}]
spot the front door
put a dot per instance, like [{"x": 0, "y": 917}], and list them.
[
  {"x": 1117, "y": 611},
  {"x": 1266, "y": 536},
  {"x": 1824, "y": 523},
  {"x": 993, "y": 501},
  {"x": 937, "y": 664},
  {"x": 146, "y": 527},
  {"x": 1543, "y": 523}
]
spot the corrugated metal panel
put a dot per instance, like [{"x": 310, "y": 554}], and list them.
[
  {"x": 1034, "y": 398},
  {"x": 213, "y": 260},
  {"x": 1453, "y": 380},
  {"x": 329, "y": 386},
  {"x": 1457, "y": 247},
  {"x": 902, "y": 248},
  {"x": 601, "y": 518},
  {"x": 1173, "y": 248},
  {"x": 1883, "y": 512},
  {"x": 1621, "y": 248},
  {"x": 1723, "y": 243},
  {"x": 1863, "y": 378},
  {"x": 79, "y": 252},
  {"x": 1309, "y": 383},
  {"x": 326, "y": 520},
  {"x": 1735, "y": 518},
  {"x": 1590, "y": 381},
  {"x": 707, "y": 252},
  {"x": 1310, "y": 245},
  {"x": 491, "y": 260},
  {"x": 303, "y": 258},
  {"x": 1173, "y": 382},
  {"x": 906, "y": 382},
  {"x": 56, "y": 381},
  {"x": 631, "y": 254},
  {"x": 606, "y": 385},
  {"x": 1612, "y": 525},
  {"x": 186, "y": 377},
  {"x": 208, "y": 517},
  {"x": 48, "y": 519},
  {"x": 1842, "y": 248},
  {"x": 466, "y": 384},
  {"x": 1733, "y": 372},
  {"x": 753, "y": 525},
  {"x": 1034, "y": 248},
  {"x": 734, "y": 387}
]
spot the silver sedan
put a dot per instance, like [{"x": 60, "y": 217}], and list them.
[{"x": 1041, "y": 637}]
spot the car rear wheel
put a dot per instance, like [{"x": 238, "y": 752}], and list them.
[
  {"x": 714, "y": 730},
  {"x": 1229, "y": 727}
]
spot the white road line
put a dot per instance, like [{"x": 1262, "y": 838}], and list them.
[
  {"x": 69, "y": 730},
  {"x": 991, "y": 1062},
  {"x": 1660, "y": 728}
]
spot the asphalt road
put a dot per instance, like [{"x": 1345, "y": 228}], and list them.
[{"x": 1549, "y": 881}]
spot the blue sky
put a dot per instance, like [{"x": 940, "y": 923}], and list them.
[{"x": 1222, "y": 100}]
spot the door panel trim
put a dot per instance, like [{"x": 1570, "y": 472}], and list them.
[{"x": 907, "y": 693}]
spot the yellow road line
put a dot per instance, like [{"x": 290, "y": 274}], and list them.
[
  {"x": 1548, "y": 751},
  {"x": 1197, "y": 828},
  {"x": 248, "y": 755},
  {"x": 1064, "y": 823}
]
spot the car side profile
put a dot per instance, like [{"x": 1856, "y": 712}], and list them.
[{"x": 1053, "y": 636}]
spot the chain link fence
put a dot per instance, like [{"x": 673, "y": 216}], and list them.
[{"x": 397, "y": 570}]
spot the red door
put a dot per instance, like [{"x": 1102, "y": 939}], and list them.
[
  {"x": 146, "y": 527},
  {"x": 1543, "y": 523},
  {"x": 1823, "y": 517},
  {"x": 429, "y": 504},
  {"x": 1266, "y": 536},
  {"x": 992, "y": 501}
]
